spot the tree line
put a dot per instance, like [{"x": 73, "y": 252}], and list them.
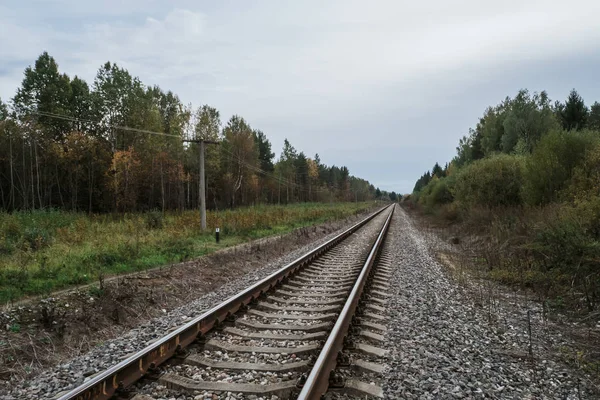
[
  {"x": 526, "y": 179},
  {"x": 515, "y": 127},
  {"x": 118, "y": 145}
]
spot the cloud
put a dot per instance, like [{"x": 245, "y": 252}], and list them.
[{"x": 327, "y": 75}]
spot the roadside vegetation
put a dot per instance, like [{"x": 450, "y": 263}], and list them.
[
  {"x": 42, "y": 251},
  {"x": 524, "y": 191}
]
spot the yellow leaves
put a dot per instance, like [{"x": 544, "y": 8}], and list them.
[{"x": 313, "y": 169}]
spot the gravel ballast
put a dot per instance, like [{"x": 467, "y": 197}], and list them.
[
  {"x": 68, "y": 375},
  {"x": 445, "y": 346}
]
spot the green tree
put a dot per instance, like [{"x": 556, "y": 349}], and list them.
[
  {"x": 239, "y": 161},
  {"x": 422, "y": 182},
  {"x": 492, "y": 128},
  {"x": 469, "y": 148},
  {"x": 208, "y": 123},
  {"x": 80, "y": 104},
  {"x": 44, "y": 93},
  {"x": 528, "y": 119},
  {"x": 113, "y": 89},
  {"x": 574, "y": 114},
  {"x": 550, "y": 166},
  {"x": 301, "y": 169},
  {"x": 594, "y": 117},
  {"x": 286, "y": 169},
  {"x": 3, "y": 111},
  {"x": 437, "y": 171},
  {"x": 265, "y": 155}
]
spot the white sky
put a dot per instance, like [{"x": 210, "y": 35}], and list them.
[{"x": 383, "y": 87}]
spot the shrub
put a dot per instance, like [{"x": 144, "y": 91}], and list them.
[
  {"x": 550, "y": 166},
  {"x": 565, "y": 245},
  {"x": 585, "y": 183},
  {"x": 436, "y": 192},
  {"x": 490, "y": 182}
]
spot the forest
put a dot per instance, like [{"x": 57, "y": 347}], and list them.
[
  {"x": 118, "y": 145},
  {"x": 526, "y": 183}
]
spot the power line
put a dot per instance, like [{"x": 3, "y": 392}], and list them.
[
  {"x": 120, "y": 127},
  {"x": 286, "y": 182}
]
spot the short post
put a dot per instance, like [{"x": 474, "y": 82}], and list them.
[{"x": 217, "y": 235}]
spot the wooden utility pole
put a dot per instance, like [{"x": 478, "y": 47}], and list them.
[{"x": 202, "y": 184}]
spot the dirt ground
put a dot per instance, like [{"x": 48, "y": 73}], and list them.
[{"x": 42, "y": 333}]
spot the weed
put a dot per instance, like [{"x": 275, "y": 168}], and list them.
[{"x": 154, "y": 220}]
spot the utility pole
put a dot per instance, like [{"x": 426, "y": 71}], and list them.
[{"x": 202, "y": 183}]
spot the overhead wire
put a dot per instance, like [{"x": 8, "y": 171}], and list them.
[
  {"x": 120, "y": 127},
  {"x": 286, "y": 182}
]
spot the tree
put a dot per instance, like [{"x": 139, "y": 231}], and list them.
[
  {"x": 550, "y": 166},
  {"x": 80, "y": 104},
  {"x": 301, "y": 169},
  {"x": 125, "y": 172},
  {"x": 437, "y": 171},
  {"x": 528, "y": 119},
  {"x": 344, "y": 183},
  {"x": 3, "y": 111},
  {"x": 469, "y": 148},
  {"x": 208, "y": 123},
  {"x": 594, "y": 117},
  {"x": 44, "y": 93},
  {"x": 265, "y": 155},
  {"x": 286, "y": 169},
  {"x": 573, "y": 115},
  {"x": 313, "y": 176},
  {"x": 204, "y": 123},
  {"x": 377, "y": 193},
  {"x": 491, "y": 126},
  {"x": 240, "y": 159},
  {"x": 422, "y": 182},
  {"x": 113, "y": 89},
  {"x": 115, "y": 145}
]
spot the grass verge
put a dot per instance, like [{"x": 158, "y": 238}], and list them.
[{"x": 44, "y": 251}]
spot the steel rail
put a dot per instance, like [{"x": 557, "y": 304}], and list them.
[
  {"x": 122, "y": 375},
  {"x": 317, "y": 382}
]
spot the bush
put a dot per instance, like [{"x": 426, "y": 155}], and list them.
[
  {"x": 436, "y": 192},
  {"x": 550, "y": 166},
  {"x": 585, "y": 183},
  {"x": 490, "y": 182},
  {"x": 566, "y": 246}
]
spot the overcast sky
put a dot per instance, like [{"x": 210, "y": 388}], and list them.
[{"x": 384, "y": 87}]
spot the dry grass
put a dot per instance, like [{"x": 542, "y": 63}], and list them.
[{"x": 44, "y": 251}]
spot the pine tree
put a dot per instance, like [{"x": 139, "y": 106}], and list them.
[{"x": 574, "y": 114}]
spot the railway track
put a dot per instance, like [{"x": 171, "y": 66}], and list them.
[{"x": 296, "y": 333}]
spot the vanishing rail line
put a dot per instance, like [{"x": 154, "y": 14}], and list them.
[{"x": 279, "y": 337}]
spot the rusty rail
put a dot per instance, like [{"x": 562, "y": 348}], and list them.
[
  {"x": 317, "y": 382},
  {"x": 108, "y": 383}
]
